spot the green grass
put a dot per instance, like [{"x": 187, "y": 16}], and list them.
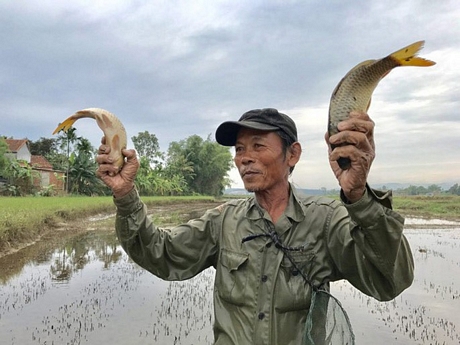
[
  {"x": 445, "y": 206},
  {"x": 23, "y": 219}
]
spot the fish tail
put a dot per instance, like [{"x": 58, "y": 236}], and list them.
[
  {"x": 407, "y": 56},
  {"x": 65, "y": 125}
]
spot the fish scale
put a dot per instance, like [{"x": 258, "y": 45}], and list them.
[{"x": 354, "y": 91}]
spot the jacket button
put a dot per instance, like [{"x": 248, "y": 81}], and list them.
[
  {"x": 261, "y": 316},
  {"x": 295, "y": 272},
  {"x": 264, "y": 278}
]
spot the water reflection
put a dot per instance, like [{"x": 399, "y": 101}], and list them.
[
  {"x": 83, "y": 289},
  {"x": 427, "y": 312},
  {"x": 87, "y": 291}
]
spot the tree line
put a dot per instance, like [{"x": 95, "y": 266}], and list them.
[
  {"x": 429, "y": 190},
  {"x": 189, "y": 167}
]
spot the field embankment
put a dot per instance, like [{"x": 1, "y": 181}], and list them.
[
  {"x": 442, "y": 207},
  {"x": 24, "y": 219}
]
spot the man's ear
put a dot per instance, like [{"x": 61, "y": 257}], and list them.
[{"x": 294, "y": 152}]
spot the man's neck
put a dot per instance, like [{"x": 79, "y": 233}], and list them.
[{"x": 274, "y": 201}]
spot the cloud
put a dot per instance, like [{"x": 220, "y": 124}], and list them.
[{"x": 179, "y": 68}]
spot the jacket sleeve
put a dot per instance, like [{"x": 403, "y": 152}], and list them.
[
  {"x": 171, "y": 254},
  {"x": 367, "y": 245}
]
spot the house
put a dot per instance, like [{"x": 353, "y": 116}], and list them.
[{"x": 46, "y": 175}]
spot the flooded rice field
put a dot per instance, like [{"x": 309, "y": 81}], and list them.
[
  {"x": 428, "y": 311},
  {"x": 83, "y": 289}
]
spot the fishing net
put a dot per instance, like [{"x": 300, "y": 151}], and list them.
[{"x": 327, "y": 322}]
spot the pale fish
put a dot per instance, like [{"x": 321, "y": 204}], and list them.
[{"x": 114, "y": 131}]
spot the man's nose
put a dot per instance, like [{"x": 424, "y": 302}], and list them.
[
  {"x": 244, "y": 157},
  {"x": 247, "y": 158}
]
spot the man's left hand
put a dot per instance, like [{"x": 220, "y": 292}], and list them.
[{"x": 356, "y": 142}]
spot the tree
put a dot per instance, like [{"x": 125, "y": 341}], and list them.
[
  {"x": 43, "y": 146},
  {"x": 4, "y": 161},
  {"x": 210, "y": 161},
  {"x": 54, "y": 150},
  {"x": 146, "y": 145},
  {"x": 146, "y": 180},
  {"x": 415, "y": 190},
  {"x": 455, "y": 189},
  {"x": 78, "y": 161},
  {"x": 215, "y": 161},
  {"x": 178, "y": 169},
  {"x": 20, "y": 176},
  {"x": 434, "y": 188},
  {"x": 82, "y": 176},
  {"x": 66, "y": 140}
]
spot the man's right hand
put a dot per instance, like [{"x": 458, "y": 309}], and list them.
[{"x": 122, "y": 182}]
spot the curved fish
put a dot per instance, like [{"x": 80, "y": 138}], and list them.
[
  {"x": 355, "y": 90},
  {"x": 114, "y": 131}
]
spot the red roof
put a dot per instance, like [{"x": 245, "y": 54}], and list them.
[
  {"x": 40, "y": 162},
  {"x": 15, "y": 144}
]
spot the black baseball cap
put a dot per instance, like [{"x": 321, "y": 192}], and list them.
[{"x": 267, "y": 119}]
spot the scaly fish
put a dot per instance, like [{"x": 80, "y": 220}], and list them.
[
  {"x": 355, "y": 90},
  {"x": 114, "y": 131}
]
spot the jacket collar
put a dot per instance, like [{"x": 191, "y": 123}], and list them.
[{"x": 295, "y": 209}]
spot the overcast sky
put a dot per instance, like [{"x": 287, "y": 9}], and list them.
[{"x": 179, "y": 68}]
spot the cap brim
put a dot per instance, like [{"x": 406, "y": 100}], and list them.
[{"x": 226, "y": 133}]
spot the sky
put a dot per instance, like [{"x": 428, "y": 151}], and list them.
[{"x": 180, "y": 68}]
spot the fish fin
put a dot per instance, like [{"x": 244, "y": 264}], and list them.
[
  {"x": 364, "y": 63},
  {"x": 407, "y": 56},
  {"x": 369, "y": 104},
  {"x": 361, "y": 64},
  {"x": 65, "y": 125}
]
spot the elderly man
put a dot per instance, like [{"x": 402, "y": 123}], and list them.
[{"x": 266, "y": 247}]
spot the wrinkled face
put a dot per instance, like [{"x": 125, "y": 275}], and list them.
[{"x": 260, "y": 159}]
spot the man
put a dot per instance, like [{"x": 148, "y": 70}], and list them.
[{"x": 265, "y": 248}]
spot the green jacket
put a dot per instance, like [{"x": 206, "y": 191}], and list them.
[{"x": 259, "y": 297}]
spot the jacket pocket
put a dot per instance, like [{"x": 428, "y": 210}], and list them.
[
  {"x": 293, "y": 292},
  {"x": 231, "y": 279}
]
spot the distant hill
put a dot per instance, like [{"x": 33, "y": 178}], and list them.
[
  {"x": 242, "y": 191},
  {"x": 396, "y": 186},
  {"x": 386, "y": 186}
]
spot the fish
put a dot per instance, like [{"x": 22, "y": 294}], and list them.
[
  {"x": 354, "y": 91},
  {"x": 114, "y": 131}
]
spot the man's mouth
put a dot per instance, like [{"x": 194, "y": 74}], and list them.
[{"x": 247, "y": 173}]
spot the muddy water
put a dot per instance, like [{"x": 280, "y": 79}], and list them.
[
  {"x": 84, "y": 290},
  {"x": 428, "y": 311}
]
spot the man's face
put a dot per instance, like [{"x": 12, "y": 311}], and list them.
[{"x": 260, "y": 159}]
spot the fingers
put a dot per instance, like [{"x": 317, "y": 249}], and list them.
[
  {"x": 103, "y": 149},
  {"x": 130, "y": 154},
  {"x": 357, "y": 122},
  {"x": 355, "y": 141},
  {"x": 354, "y": 145},
  {"x": 357, "y": 131},
  {"x": 106, "y": 162},
  {"x": 357, "y": 155},
  {"x": 103, "y": 155},
  {"x": 106, "y": 169},
  {"x": 120, "y": 181},
  {"x": 351, "y": 139}
]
